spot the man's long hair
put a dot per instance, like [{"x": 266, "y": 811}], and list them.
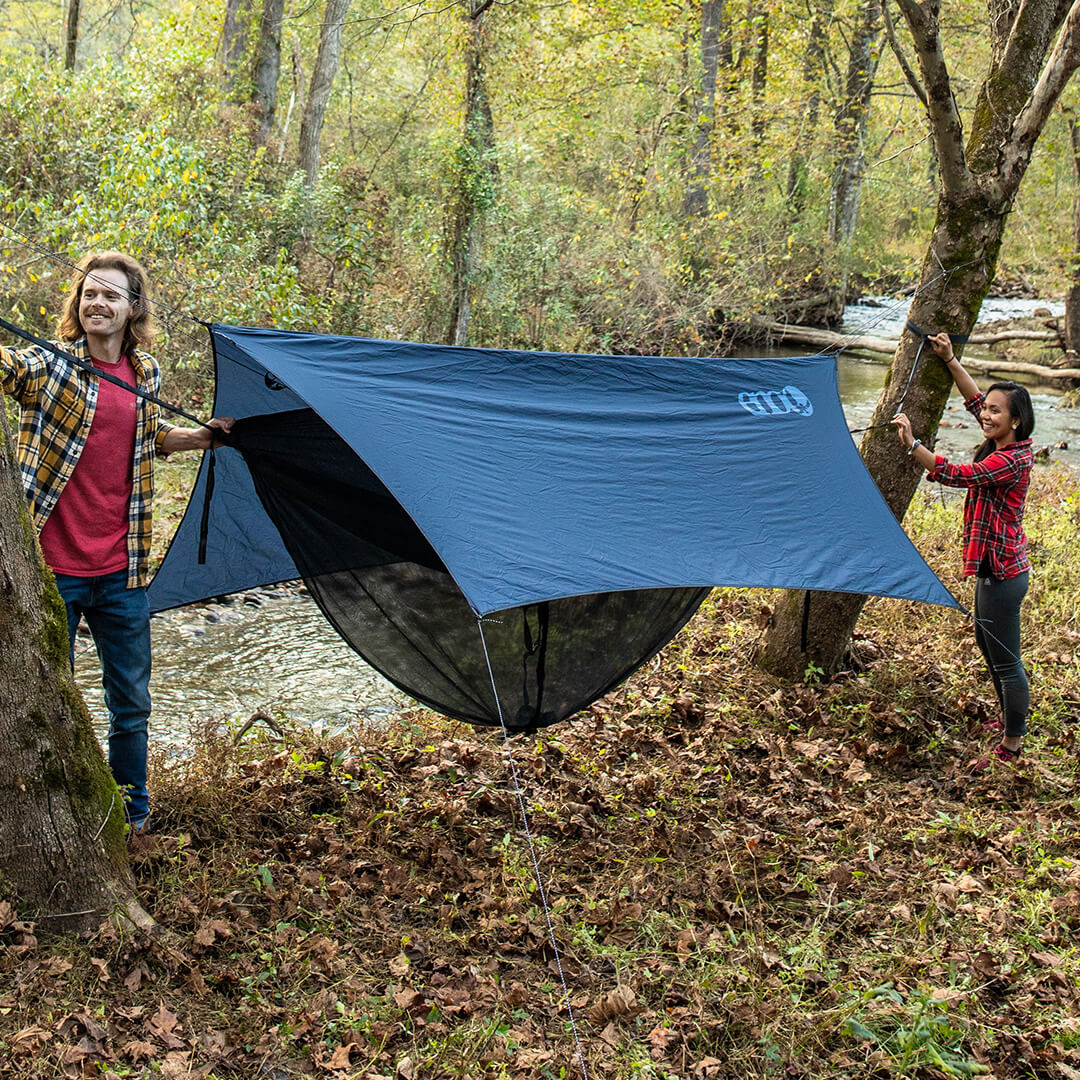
[{"x": 139, "y": 332}]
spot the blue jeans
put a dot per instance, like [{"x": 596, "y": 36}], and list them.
[{"x": 119, "y": 621}]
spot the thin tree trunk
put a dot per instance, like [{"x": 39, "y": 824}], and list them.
[
  {"x": 71, "y": 34},
  {"x": 62, "y": 849},
  {"x": 1072, "y": 296},
  {"x": 477, "y": 175},
  {"x": 699, "y": 159},
  {"x": 812, "y": 73},
  {"x": 235, "y": 39},
  {"x": 850, "y": 125},
  {"x": 322, "y": 79},
  {"x": 758, "y": 82},
  {"x": 268, "y": 63}
]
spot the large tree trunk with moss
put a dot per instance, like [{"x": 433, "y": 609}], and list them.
[
  {"x": 63, "y": 856},
  {"x": 977, "y": 185},
  {"x": 476, "y": 173}
]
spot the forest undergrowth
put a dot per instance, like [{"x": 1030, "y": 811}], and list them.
[{"x": 745, "y": 878}]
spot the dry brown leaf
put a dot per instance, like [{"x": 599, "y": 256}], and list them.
[
  {"x": 29, "y": 1039},
  {"x": 660, "y": 1038},
  {"x": 339, "y": 1059},
  {"x": 618, "y": 1002},
  {"x": 138, "y": 1050},
  {"x": 857, "y": 772}
]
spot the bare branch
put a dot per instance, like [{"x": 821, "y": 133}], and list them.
[
  {"x": 1063, "y": 62},
  {"x": 945, "y": 124},
  {"x": 898, "y": 52}
]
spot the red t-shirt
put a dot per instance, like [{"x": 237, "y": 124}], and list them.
[{"x": 86, "y": 535}]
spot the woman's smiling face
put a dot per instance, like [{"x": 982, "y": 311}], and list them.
[{"x": 996, "y": 420}]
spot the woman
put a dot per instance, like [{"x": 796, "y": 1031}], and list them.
[{"x": 995, "y": 547}]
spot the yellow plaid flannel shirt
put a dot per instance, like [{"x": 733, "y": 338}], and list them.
[{"x": 58, "y": 401}]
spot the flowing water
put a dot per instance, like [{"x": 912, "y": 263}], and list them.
[{"x": 272, "y": 650}]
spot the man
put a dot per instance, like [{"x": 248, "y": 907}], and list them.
[{"x": 86, "y": 454}]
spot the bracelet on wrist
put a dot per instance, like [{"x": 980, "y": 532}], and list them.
[{"x": 911, "y": 448}]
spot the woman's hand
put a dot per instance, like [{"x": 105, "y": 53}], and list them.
[
  {"x": 903, "y": 429},
  {"x": 941, "y": 344}
]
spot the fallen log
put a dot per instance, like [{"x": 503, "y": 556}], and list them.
[{"x": 811, "y": 335}]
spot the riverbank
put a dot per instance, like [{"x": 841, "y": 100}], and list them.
[{"x": 745, "y": 878}]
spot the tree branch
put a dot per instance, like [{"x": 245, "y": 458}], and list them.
[
  {"x": 898, "y": 52},
  {"x": 1063, "y": 62},
  {"x": 945, "y": 124}
]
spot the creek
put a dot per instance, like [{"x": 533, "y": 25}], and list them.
[{"x": 272, "y": 650}]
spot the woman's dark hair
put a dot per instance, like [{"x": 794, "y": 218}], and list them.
[{"x": 1020, "y": 409}]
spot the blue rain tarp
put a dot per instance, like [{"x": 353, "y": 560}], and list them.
[{"x": 531, "y": 477}]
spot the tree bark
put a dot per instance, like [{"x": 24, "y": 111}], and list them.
[
  {"x": 268, "y": 63},
  {"x": 1072, "y": 296},
  {"x": 759, "y": 75},
  {"x": 235, "y": 39},
  {"x": 322, "y": 79},
  {"x": 71, "y": 34},
  {"x": 813, "y": 72},
  {"x": 699, "y": 158},
  {"x": 477, "y": 173},
  {"x": 850, "y": 125},
  {"x": 62, "y": 850},
  {"x": 977, "y": 185}
]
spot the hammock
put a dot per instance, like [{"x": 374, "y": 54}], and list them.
[{"x": 508, "y": 535}]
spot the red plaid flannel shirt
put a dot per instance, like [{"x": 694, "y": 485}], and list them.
[{"x": 994, "y": 506}]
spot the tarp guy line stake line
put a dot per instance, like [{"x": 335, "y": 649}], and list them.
[{"x": 532, "y": 852}]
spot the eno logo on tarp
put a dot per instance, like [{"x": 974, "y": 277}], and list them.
[{"x": 776, "y": 402}]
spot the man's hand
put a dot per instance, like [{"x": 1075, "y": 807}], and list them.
[{"x": 200, "y": 438}]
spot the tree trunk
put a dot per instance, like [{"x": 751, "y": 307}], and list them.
[
  {"x": 71, "y": 34},
  {"x": 699, "y": 159},
  {"x": 1072, "y": 296},
  {"x": 977, "y": 186},
  {"x": 850, "y": 125},
  {"x": 235, "y": 39},
  {"x": 322, "y": 79},
  {"x": 758, "y": 82},
  {"x": 63, "y": 855},
  {"x": 477, "y": 174},
  {"x": 268, "y": 63},
  {"x": 812, "y": 74}
]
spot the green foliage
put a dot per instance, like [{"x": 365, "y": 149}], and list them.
[
  {"x": 912, "y": 1033},
  {"x": 586, "y": 245}
]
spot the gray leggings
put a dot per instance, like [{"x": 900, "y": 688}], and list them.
[{"x": 997, "y": 633}]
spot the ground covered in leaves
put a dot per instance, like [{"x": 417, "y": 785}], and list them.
[{"x": 743, "y": 878}]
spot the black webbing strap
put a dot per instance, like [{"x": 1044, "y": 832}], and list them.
[
  {"x": 11, "y": 328},
  {"x": 922, "y": 335},
  {"x": 86, "y": 366},
  {"x": 805, "y": 619},
  {"x": 204, "y": 520}
]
